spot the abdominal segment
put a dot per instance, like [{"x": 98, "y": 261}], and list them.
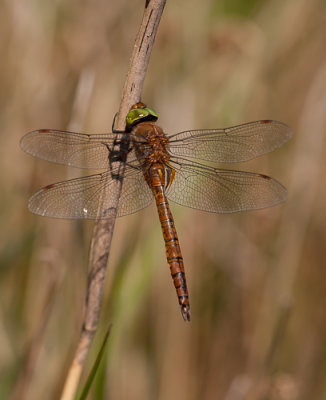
[{"x": 155, "y": 178}]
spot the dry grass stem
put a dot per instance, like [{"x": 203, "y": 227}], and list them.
[{"x": 103, "y": 230}]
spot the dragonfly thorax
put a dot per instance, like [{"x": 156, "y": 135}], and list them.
[
  {"x": 150, "y": 143},
  {"x": 151, "y": 147}
]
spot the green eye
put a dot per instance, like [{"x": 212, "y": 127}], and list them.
[
  {"x": 138, "y": 114},
  {"x": 151, "y": 112}
]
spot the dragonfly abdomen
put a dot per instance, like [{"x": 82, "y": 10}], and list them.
[{"x": 156, "y": 181}]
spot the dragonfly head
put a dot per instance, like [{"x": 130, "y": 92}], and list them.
[{"x": 140, "y": 113}]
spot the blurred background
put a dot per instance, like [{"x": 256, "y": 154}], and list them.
[{"x": 257, "y": 280}]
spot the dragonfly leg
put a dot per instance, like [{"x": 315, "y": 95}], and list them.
[{"x": 113, "y": 123}]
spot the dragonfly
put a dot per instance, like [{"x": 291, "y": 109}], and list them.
[{"x": 157, "y": 167}]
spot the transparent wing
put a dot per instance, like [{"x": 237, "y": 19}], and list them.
[
  {"x": 222, "y": 191},
  {"x": 75, "y": 149},
  {"x": 239, "y": 143},
  {"x": 92, "y": 197}
]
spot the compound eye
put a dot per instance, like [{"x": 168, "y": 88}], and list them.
[{"x": 136, "y": 115}]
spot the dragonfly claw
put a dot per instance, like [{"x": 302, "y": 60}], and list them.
[{"x": 185, "y": 311}]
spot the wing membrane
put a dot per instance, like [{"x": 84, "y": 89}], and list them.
[
  {"x": 236, "y": 144},
  {"x": 70, "y": 148},
  {"x": 92, "y": 197},
  {"x": 222, "y": 191}
]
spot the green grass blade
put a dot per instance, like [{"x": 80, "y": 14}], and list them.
[{"x": 96, "y": 365}]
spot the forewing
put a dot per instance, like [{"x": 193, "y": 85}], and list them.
[
  {"x": 222, "y": 191},
  {"x": 92, "y": 197},
  {"x": 70, "y": 148},
  {"x": 236, "y": 144}
]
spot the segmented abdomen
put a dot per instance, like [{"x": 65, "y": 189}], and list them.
[{"x": 155, "y": 177}]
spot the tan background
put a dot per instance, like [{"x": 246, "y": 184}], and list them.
[{"x": 257, "y": 280}]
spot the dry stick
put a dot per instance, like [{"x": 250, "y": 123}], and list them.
[{"x": 103, "y": 230}]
